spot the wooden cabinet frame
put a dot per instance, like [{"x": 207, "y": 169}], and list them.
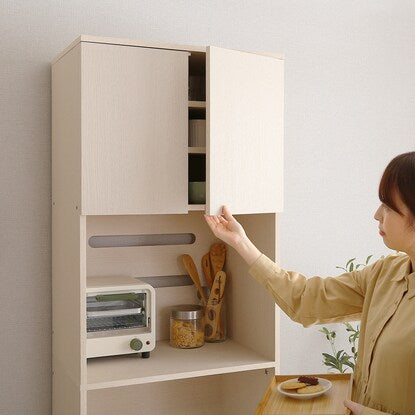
[{"x": 105, "y": 385}]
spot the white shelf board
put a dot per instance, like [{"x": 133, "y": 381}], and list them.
[{"x": 168, "y": 363}]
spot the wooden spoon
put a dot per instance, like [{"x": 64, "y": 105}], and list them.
[
  {"x": 217, "y": 255},
  {"x": 207, "y": 270},
  {"x": 192, "y": 270}
]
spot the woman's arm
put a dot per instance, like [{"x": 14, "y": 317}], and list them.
[
  {"x": 307, "y": 301},
  {"x": 357, "y": 409}
]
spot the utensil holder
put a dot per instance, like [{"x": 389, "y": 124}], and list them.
[{"x": 215, "y": 324}]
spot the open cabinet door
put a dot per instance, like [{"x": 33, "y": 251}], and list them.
[{"x": 244, "y": 143}]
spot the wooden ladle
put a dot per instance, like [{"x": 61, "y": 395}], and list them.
[{"x": 192, "y": 270}]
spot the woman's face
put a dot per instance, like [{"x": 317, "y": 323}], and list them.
[{"x": 397, "y": 231}]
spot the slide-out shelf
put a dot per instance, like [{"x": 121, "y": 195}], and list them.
[{"x": 168, "y": 363}]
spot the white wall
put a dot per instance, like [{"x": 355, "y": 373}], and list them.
[{"x": 350, "y": 105}]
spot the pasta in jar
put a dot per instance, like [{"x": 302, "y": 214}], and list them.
[{"x": 186, "y": 327}]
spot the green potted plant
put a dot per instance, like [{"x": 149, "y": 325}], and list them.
[{"x": 341, "y": 360}]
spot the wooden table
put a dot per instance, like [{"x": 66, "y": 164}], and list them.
[{"x": 331, "y": 403}]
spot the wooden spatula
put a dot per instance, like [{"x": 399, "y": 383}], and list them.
[
  {"x": 218, "y": 287},
  {"x": 217, "y": 253},
  {"x": 192, "y": 270},
  {"x": 213, "y": 307},
  {"x": 207, "y": 270}
]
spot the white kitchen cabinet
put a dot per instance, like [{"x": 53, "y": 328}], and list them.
[
  {"x": 120, "y": 161},
  {"x": 134, "y": 129},
  {"x": 245, "y": 130}
]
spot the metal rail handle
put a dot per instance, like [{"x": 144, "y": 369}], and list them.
[{"x": 118, "y": 297}]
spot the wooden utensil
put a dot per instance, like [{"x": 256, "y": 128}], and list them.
[
  {"x": 218, "y": 287},
  {"x": 207, "y": 270},
  {"x": 213, "y": 307},
  {"x": 217, "y": 253},
  {"x": 192, "y": 270}
]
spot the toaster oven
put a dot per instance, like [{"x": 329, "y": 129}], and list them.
[{"x": 120, "y": 316}]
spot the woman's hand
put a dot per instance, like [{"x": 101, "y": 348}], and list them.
[
  {"x": 231, "y": 231},
  {"x": 355, "y": 407},
  {"x": 226, "y": 227}
]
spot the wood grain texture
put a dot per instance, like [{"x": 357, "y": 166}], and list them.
[
  {"x": 213, "y": 308},
  {"x": 331, "y": 403},
  {"x": 170, "y": 363},
  {"x": 108, "y": 173},
  {"x": 244, "y": 140},
  {"x": 128, "y": 42},
  {"x": 252, "y": 316},
  {"x": 134, "y": 130},
  {"x": 195, "y": 49},
  {"x": 207, "y": 270},
  {"x": 68, "y": 240},
  {"x": 194, "y": 275},
  {"x": 217, "y": 255}
]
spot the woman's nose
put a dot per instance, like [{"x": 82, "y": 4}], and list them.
[{"x": 377, "y": 215}]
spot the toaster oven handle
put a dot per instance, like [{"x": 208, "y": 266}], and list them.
[{"x": 117, "y": 297}]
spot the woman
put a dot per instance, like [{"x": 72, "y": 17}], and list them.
[{"x": 382, "y": 296}]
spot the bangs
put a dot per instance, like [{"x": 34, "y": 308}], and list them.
[
  {"x": 398, "y": 182},
  {"x": 388, "y": 188}
]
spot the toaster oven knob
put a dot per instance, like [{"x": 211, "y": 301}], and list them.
[{"x": 136, "y": 344}]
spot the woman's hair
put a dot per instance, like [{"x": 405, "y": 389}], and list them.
[{"x": 399, "y": 176}]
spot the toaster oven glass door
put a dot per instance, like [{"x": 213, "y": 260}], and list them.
[{"x": 116, "y": 311}]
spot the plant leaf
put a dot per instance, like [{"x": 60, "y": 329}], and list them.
[{"x": 349, "y": 261}]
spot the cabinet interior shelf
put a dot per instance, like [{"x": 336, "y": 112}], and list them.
[
  {"x": 197, "y": 104},
  {"x": 168, "y": 363},
  {"x": 197, "y": 150}
]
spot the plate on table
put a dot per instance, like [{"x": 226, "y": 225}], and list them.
[{"x": 292, "y": 393}]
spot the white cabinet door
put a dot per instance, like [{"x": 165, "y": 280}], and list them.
[
  {"x": 244, "y": 146},
  {"x": 134, "y": 130}
]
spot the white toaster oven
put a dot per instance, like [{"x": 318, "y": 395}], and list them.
[{"x": 120, "y": 316}]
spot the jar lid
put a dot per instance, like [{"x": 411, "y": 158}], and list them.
[{"x": 187, "y": 312}]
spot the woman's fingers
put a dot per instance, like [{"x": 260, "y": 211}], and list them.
[
  {"x": 210, "y": 221},
  {"x": 213, "y": 222},
  {"x": 222, "y": 220},
  {"x": 355, "y": 407},
  {"x": 227, "y": 213}
]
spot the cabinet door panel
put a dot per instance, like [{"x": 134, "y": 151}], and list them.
[
  {"x": 134, "y": 130},
  {"x": 244, "y": 166}
]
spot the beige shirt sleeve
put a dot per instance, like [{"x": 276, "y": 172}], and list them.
[{"x": 314, "y": 300}]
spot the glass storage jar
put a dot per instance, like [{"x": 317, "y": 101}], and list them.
[{"x": 187, "y": 326}]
